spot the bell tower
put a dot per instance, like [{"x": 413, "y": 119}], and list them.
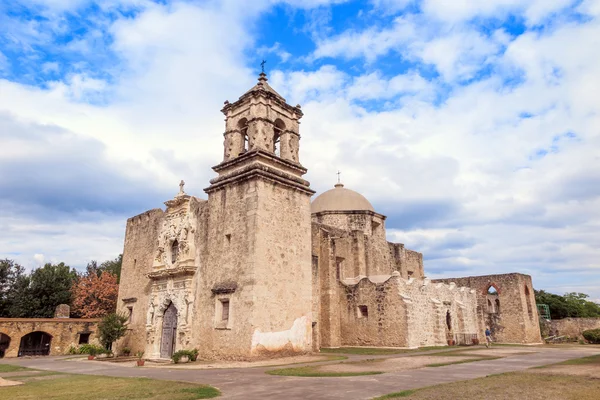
[
  {"x": 261, "y": 119},
  {"x": 258, "y": 253}
]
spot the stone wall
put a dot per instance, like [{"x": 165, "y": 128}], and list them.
[
  {"x": 65, "y": 332},
  {"x": 141, "y": 236},
  {"x": 572, "y": 327},
  {"x": 392, "y": 311},
  {"x": 517, "y": 318}
]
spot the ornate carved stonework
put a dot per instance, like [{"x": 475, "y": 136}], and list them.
[{"x": 173, "y": 269}]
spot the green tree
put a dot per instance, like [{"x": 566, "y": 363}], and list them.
[
  {"x": 10, "y": 273},
  {"x": 112, "y": 328},
  {"x": 573, "y": 305},
  {"x": 37, "y": 295},
  {"x": 112, "y": 266}
]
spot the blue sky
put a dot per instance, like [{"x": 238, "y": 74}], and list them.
[{"x": 472, "y": 125}]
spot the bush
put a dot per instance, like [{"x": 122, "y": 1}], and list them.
[
  {"x": 192, "y": 355},
  {"x": 126, "y": 351},
  {"x": 92, "y": 349},
  {"x": 592, "y": 335}
]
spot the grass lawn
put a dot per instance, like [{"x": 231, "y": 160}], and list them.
[
  {"x": 11, "y": 368},
  {"x": 510, "y": 386},
  {"x": 314, "y": 372},
  {"x": 87, "y": 387},
  {"x": 377, "y": 351},
  {"x": 593, "y": 360}
]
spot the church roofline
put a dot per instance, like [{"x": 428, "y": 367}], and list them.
[{"x": 367, "y": 212}]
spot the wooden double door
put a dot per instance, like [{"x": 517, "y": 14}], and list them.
[{"x": 169, "y": 332}]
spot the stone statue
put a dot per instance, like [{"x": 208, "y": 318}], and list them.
[
  {"x": 150, "y": 315},
  {"x": 181, "y": 185}
]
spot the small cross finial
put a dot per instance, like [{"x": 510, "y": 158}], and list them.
[
  {"x": 339, "y": 174},
  {"x": 181, "y": 185},
  {"x": 262, "y": 66}
]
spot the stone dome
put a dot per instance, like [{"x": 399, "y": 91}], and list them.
[{"x": 340, "y": 199}]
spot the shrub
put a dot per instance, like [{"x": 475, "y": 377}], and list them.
[
  {"x": 192, "y": 355},
  {"x": 139, "y": 355},
  {"x": 91, "y": 349},
  {"x": 126, "y": 351},
  {"x": 592, "y": 335}
]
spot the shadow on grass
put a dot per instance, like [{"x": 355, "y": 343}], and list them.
[{"x": 313, "y": 372}]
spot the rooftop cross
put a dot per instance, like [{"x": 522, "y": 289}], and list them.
[
  {"x": 262, "y": 66},
  {"x": 338, "y": 174}
]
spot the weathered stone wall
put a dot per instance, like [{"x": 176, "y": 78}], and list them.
[
  {"x": 282, "y": 316},
  {"x": 517, "y": 319},
  {"x": 65, "y": 332},
  {"x": 405, "y": 313},
  {"x": 572, "y": 327},
  {"x": 141, "y": 236}
]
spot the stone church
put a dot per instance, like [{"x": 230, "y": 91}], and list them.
[{"x": 257, "y": 270}]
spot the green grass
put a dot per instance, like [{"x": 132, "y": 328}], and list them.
[
  {"x": 312, "y": 371},
  {"x": 395, "y": 395},
  {"x": 508, "y": 386},
  {"x": 87, "y": 387},
  {"x": 594, "y": 360},
  {"x": 376, "y": 351},
  {"x": 11, "y": 368},
  {"x": 462, "y": 361}
]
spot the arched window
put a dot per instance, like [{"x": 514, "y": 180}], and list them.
[
  {"x": 528, "y": 300},
  {"x": 243, "y": 127},
  {"x": 493, "y": 304},
  {"x": 278, "y": 130},
  {"x": 174, "y": 251}
]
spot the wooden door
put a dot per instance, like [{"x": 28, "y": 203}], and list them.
[{"x": 169, "y": 332}]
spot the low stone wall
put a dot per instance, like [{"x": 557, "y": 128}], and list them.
[
  {"x": 64, "y": 332},
  {"x": 572, "y": 327}
]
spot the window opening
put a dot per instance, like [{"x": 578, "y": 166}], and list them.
[
  {"x": 130, "y": 315},
  {"x": 225, "y": 310},
  {"x": 174, "y": 251},
  {"x": 363, "y": 311},
  {"x": 84, "y": 338},
  {"x": 448, "y": 320}
]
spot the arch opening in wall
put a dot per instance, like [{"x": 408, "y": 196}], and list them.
[
  {"x": 492, "y": 299},
  {"x": 243, "y": 127},
  {"x": 35, "y": 344},
  {"x": 278, "y": 129},
  {"x": 174, "y": 251},
  {"x": 528, "y": 301},
  {"x": 4, "y": 343}
]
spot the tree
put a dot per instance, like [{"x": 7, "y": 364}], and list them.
[
  {"x": 94, "y": 295},
  {"x": 573, "y": 305},
  {"x": 10, "y": 273},
  {"x": 112, "y": 266},
  {"x": 112, "y": 328},
  {"x": 37, "y": 295}
]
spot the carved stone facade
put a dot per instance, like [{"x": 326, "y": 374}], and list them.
[{"x": 256, "y": 271}]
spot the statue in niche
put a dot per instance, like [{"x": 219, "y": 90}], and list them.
[{"x": 150, "y": 314}]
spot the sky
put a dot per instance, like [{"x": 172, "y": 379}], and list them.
[{"x": 474, "y": 126}]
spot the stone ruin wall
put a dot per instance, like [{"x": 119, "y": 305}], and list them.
[
  {"x": 139, "y": 250},
  {"x": 65, "y": 332},
  {"x": 517, "y": 320},
  {"x": 405, "y": 313},
  {"x": 571, "y": 327}
]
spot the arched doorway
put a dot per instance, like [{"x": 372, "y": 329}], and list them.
[
  {"x": 4, "y": 343},
  {"x": 35, "y": 344},
  {"x": 169, "y": 332}
]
